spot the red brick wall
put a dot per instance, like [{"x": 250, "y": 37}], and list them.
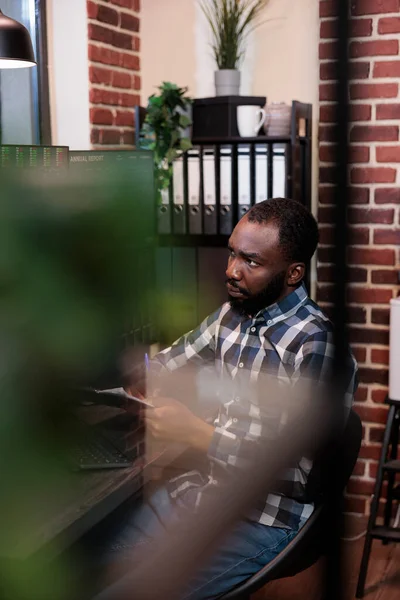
[
  {"x": 374, "y": 212},
  {"x": 114, "y": 70}
]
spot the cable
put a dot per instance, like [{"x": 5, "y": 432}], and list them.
[{"x": 355, "y": 538}]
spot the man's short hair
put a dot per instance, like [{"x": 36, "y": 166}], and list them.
[{"x": 298, "y": 229}]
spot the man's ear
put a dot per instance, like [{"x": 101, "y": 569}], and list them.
[{"x": 296, "y": 273}]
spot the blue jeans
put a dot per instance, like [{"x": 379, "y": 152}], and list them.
[{"x": 242, "y": 553}]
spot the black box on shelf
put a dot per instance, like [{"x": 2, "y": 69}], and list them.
[{"x": 216, "y": 117}]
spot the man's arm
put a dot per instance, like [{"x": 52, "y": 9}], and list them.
[{"x": 196, "y": 347}]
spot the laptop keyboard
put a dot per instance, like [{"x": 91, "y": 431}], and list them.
[{"x": 98, "y": 453}]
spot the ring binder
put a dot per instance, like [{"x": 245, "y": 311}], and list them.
[
  {"x": 243, "y": 180},
  {"x": 195, "y": 217},
  {"x": 226, "y": 220},
  {"x": 178, "y": 214},
  {"x": 209, "y": 192},
  {"x": 164, "y": 213}
]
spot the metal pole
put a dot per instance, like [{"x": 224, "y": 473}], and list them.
[{"x": 333, "y": 574}]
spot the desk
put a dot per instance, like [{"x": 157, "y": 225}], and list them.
[{"x": 62, "y": 511}]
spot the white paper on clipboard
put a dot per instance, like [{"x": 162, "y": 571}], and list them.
[{"x": 122, "y": 393}]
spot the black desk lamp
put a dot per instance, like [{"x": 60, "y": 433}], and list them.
[{"x": 16, "y": 50}]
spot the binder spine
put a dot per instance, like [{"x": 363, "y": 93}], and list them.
[
  {"x": 164, "y": 212},
  {"x": 209, "y": 191},
  {"x": 217, "y": 163},
  {"x": 252, "y": 174},
  {"x": 195, "y": 216},
  {"x": 227, "y": 174},
  {"x": 235, "y": 188},
  {"x": 178, "y": 216},
  {"x": 270, "y": 170},
  {"x": 201, "y": 188}
]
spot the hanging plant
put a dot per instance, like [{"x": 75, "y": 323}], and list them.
[{"x": 164, "y": 129}]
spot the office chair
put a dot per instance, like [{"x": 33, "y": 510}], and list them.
[{"x": 308, "y": 545}]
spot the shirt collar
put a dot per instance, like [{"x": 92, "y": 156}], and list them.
[{"x": 285, "y": 306}]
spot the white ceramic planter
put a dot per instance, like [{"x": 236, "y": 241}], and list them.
[{"x": 227, "y": 82}]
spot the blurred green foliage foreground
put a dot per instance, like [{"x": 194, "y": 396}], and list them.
[{"x": 69, "y": 248}]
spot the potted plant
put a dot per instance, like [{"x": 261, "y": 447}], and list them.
[
  {"x": 166, "y": 130},
  {"x": 230, "y": 21}
]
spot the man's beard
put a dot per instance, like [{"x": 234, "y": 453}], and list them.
[{"x": 269, "y": 295}]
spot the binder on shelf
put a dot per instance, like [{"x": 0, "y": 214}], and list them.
[
  {"x": 244, "y": 185},
  {"x": 178, "y": 211},
  {"x": 195, "y": 216},
  {"x": 164, "y": 213},
  {"x": 209, "y": 192},
  {"x": 226, "y": 219},
  {"x": 279, "y": 168},
  {"x": 261, "y": 191}
]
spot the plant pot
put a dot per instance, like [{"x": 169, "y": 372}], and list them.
[{"x": 227, "y": 82}]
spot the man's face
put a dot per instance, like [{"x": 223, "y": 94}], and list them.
[{"x": 256, "y": 275}]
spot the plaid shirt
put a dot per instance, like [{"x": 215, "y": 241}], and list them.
[{"x": 290, "y": 341}]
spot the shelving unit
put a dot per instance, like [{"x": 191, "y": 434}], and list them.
[{"x": 182, "y": 219}]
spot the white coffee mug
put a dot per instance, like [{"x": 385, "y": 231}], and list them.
[{"x": 250, "y": 119}]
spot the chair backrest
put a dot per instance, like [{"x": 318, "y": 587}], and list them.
[
  {"x": 346, "y": 453},
  {"x": 333, "y": 468},
  {"x": 308, "y": 545}
]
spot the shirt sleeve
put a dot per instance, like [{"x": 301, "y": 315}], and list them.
[
  {"x": 196, "y": 347},
  {"x": 312, "y": 364}
]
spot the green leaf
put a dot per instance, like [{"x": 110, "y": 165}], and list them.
[
  {"x": 163, "y": 126},
  {"x": 184, "y": 121},
  {"x": 185, "y": 144}
]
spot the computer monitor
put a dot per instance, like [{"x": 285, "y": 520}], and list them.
[{"x": 134, "y": 171}]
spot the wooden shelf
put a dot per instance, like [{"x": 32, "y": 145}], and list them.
[
  {"x": 193, "y": 240},
  {"x": 260, "y": 139}
]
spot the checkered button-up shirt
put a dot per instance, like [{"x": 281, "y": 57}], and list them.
[{"x": 289, "y": 341}]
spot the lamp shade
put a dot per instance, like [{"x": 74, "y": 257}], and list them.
[{"x": 16, "y": 50}]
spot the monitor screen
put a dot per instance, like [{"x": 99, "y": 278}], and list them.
[
  {"x": 133, "y": 172},
  {"x": 45, "y": 158}
]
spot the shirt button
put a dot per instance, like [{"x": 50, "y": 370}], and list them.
[
  {"x": 241, "y": 365},
  {"x": 237, "y": 399},
  {"x": 269, "y": 322},
  {"x": 253, "y": 329},
  {"x": 234, "y": 420}
]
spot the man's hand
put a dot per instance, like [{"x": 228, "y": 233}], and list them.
[{"x": 170, "y": 420}]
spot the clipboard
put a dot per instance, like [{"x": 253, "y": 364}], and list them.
[{"x": 116, "y": 397}]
